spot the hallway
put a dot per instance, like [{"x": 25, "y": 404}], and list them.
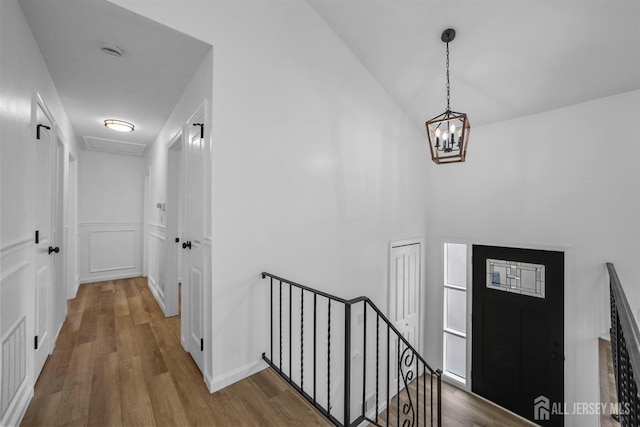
[{"x": 118, "y": 361}]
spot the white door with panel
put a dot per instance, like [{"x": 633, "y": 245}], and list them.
[
  {"x": 44, "y": 239},
  {"x": 404, "y": 282},
  {"x": 175, "y": 220},
  {"x": 193, "y": 242},
  {"x": 59, "y": 291}
]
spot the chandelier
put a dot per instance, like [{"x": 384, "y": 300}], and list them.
[{"x": 448, "y": 132}]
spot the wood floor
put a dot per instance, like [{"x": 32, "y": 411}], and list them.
[
  {"x": 608, "y": 394},
  {"x": 118, "y": 361},
  {"x": 459, "y": 408}
]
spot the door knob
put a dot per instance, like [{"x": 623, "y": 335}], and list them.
[
  {"x": 186, "y": 244},
  {"x": 52, "y": 249}
]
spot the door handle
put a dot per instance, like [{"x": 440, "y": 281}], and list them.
[
  {"x": 556, "y": 356},
  {"x": 52, "y": 249},
  {"x": 186, "y": 244}
]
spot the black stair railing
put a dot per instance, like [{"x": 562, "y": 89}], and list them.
[
  {"x": 625, "y": 352},
  {"x": 350, "y": 371}
]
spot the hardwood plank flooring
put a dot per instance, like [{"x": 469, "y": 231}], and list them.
[
  {"x": 608, "y": 394},
  {"x": 459, "y": 408},
  {"x": 119, "y": 362}
]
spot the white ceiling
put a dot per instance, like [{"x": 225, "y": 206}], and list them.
[
  {"x": 510, "y": 58},
  {"x": 142, "y": 87}
]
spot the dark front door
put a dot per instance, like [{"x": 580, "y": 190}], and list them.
[{"x": 518, "y": 332}]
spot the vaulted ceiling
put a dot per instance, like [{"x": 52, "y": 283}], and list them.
[{"x": 509, "y": 58}]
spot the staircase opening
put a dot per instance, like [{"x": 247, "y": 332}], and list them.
[{"x": 348, "y": 359}]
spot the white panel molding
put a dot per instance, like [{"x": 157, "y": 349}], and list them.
[
  {"x": 118, "y": 254},
  {"x": 17, "y": 409},
  {"x": 15, "y": 245},
  {"x": 109, "y": 224},
  {"x": 93, "y": 233},
  {"x": 158, "y": 226},
  {"x": 14, "y": 270}
]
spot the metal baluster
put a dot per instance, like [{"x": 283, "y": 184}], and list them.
[
  {"x": 364, "y": 359},
  {"x": 280, "y": 360},
  {"x": 439, "y": 372},
  {"x": 290, "y": 333},
  {"x": 302, "y": 339},
  {"x": 424, "y": 394},
  {"x": 398, "y": 383},
  {"x": 271, "y": 319},
  {"x": 417, "y": 393},
  {"x": 329, "y": 357},
  {"x": 347, "y": 364},
  {"x": 315, "y": 305},
  {"x": 431, "y": 397},
  {"x": 377, "y": 360},
  {"x": 388, "y": 371}
]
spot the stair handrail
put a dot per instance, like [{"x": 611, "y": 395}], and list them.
[
  {"x": 348, "y": 303},
  {"x": 625, "y": 346},
  {"x": 352, "y": 302}
]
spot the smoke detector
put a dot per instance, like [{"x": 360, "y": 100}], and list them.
[{"x": 111, "y": 50}]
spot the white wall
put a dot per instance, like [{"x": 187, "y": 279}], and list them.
[
  {"x": 315, "y": 168},
  {"x": 110, "y": 197},
  {"x": 563, "y": 178},
  {"x": 21, "y": 76}
]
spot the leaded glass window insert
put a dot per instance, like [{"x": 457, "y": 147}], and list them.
[{"x": 516, "y": 277}]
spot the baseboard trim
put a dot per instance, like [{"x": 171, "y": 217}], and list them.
[
  {"x": 156, "y": 294},
  {"x": 235, "y": 375},
  {"x": 106, "y": 277},
  {"x": 16, "y": 411}
]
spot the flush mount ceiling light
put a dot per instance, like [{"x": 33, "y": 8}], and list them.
[
  {"x": 448, "y": 132},
  {"x": 111, "y": 50},
  {"x": 119, "y": 125}
]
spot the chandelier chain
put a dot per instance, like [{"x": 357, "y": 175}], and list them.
[{"x": 448, "y": 86}]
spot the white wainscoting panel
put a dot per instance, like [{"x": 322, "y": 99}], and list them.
[
  {"x": 157, "y": 250},
  {"x": 15, "y": 356},
  {"x": 109, "y": 250}
]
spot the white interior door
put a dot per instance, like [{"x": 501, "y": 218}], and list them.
[
  {"x": 59, "y": 292},
  {"x": 175, "y": 235},
  {"x": 193, "y": 243},
  {"x": 404, "y": 300},
  {"x": 43, "y": 257}
]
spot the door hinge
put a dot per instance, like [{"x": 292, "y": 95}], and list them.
[
  {"x": 37, "y": 236},
  {"x": 35, "y": 343},
  {"x": 201, "y": 344},
  {"x": 201, "y": 129},
  {"x": 38, "y": 130}
]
